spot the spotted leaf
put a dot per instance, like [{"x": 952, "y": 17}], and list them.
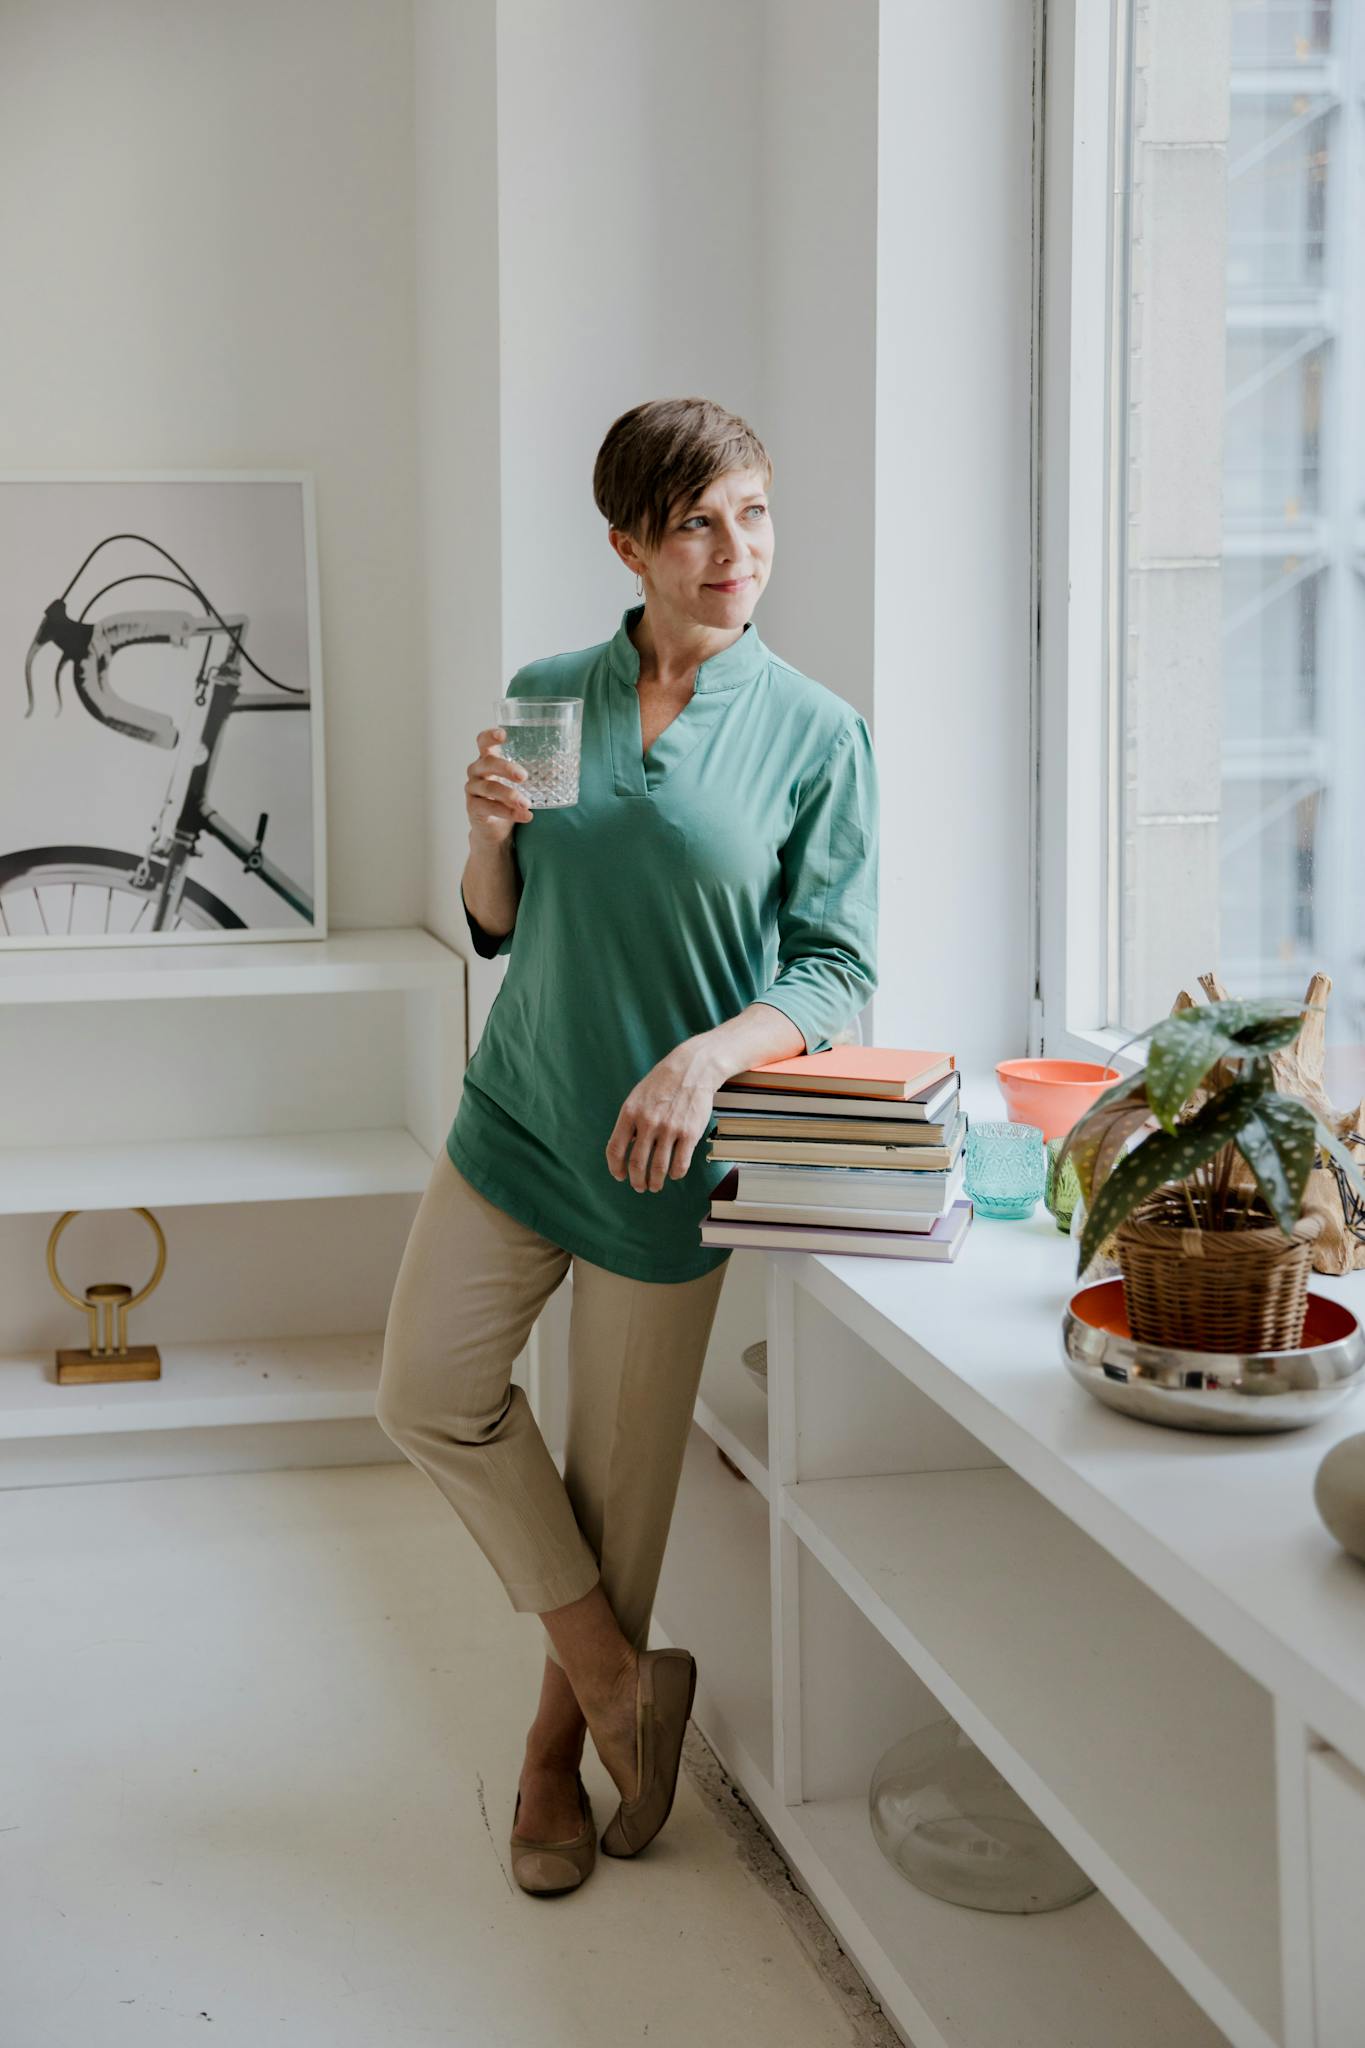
[{"x": 1186, "y": 1045}]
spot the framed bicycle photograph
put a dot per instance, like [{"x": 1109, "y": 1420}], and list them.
[{"x": 161, "y": 745}]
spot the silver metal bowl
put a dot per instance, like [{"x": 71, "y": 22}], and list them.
[{"x": 1216, "y": 1390}]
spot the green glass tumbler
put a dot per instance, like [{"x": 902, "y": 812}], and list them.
[{"x": 1061, "y": 1191}]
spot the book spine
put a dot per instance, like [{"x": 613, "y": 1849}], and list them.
[
  {"x": 863, "y": 1243},
  {"x": 925, "y": 1159}
]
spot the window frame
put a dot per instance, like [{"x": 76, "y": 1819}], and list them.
[{"x": 1080, "y": 283}]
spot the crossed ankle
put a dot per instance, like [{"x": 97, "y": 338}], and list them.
[
  {"x": 550, "y": 1767},
  {"x": 612, "y": 1685}
]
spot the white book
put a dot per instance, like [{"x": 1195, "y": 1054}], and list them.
[
  {"x": 942, "y": 1243},
  {"x": 915, "y": 1221},
  {"x": 836, "y": 1188},
  {"x": 861, "y": 1156}
]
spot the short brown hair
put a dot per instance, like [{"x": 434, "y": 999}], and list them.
[{"x": 665, "y": 453}]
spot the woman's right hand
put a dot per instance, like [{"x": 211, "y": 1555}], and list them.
[{"x": 494, "y": 808}]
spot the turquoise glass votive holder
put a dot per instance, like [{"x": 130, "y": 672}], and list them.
[{"x": 1005, "y": 1169}]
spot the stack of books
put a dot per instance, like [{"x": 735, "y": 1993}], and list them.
[{"x": 858, "y": 1149}]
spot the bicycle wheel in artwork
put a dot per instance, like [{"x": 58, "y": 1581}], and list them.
[{"x": 161, "y": 755}]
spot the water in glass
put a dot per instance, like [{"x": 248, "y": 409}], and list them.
[{"x": 544, "y": 736}]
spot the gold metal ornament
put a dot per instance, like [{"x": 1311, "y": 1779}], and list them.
[{"x": 107, "y": 1303}]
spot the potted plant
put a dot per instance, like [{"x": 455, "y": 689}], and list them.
[{"x": 1205, "y": 1212}]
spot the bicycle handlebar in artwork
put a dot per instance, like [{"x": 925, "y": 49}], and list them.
[{"x": 90, "y": 648}]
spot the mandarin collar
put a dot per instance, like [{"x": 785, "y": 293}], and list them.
[{"x": 735, "y": 665}]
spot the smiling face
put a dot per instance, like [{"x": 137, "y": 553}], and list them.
[{"x": 724, "y": 538}]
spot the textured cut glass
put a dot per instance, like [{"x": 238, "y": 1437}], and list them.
[
  {"x": 1005, "y": 1168},
  {"x": 545, "y": 737}
]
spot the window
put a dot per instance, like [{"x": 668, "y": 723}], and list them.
[{"x": 1201, "y": 512}]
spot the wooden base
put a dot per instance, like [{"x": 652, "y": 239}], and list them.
[{"x": 138, "y": 1362}]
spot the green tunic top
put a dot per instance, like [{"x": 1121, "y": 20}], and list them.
[{"x": 734, "y": 863}]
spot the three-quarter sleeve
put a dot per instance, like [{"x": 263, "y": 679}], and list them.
[
  {"x": 485, "y": 945},
  {"x": 827, "y": 918}
]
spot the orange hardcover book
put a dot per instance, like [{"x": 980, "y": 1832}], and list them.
[{"x": 871, "y": 1070}]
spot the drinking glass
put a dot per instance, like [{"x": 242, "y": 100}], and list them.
[
  {"x": 545, "y": 737},
  {"x": 1005, "y": 1168}
]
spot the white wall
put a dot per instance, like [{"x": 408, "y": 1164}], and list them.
[
  {"x": 952, "y": 489},
  {"x": 206, "y": 236},
  {"x": 629, "y": 168},
  {"x": 815, "y": 258},
  {"x": 458, "y": 334}
]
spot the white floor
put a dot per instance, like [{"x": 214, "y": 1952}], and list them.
[{"x": 259, "y": 1740}]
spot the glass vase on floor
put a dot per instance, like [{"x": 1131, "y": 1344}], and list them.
[{"x": 946, "y": 1819}]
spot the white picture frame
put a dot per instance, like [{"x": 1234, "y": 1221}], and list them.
[{"x": 148, "y": 761}]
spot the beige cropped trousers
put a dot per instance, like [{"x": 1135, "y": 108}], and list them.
[{"x": 470, "y": 1285}]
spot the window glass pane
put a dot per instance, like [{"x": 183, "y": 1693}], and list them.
[{"x": 1240, "y": 728}]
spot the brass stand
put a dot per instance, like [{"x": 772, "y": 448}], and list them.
[{"x": 107, "y": 1303}]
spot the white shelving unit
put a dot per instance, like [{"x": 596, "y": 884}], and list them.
[
  {"x": 161, "y": 1076},
  {"x": 1148, "y": 1631},
  {"x": 386, "y": 957},
  {"x": 292, "y": 1166}
]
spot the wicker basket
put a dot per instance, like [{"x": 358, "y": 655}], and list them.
[{"x": 1241, "y": 1291}]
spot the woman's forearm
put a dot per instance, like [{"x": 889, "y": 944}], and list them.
[
  {"x": 759, "y": 1034},
  {"x": 492, "y": 885}
]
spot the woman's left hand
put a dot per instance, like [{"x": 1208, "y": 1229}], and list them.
[{"x": 662, "y": 1118}]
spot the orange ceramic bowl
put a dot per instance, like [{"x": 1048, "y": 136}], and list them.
[{"x": 1052, "y": 1093}]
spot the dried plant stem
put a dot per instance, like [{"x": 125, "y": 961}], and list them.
[
  {"x": 1227, "y": 1163},
  {"x": 1211, "y": 1200}
]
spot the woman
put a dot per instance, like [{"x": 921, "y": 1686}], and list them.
[{"x": 709, "y": 904}]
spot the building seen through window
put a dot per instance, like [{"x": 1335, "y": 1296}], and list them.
[{"x": 1239, "y": 722}]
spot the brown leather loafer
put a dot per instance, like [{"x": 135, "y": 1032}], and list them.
[
  {"x": 663, "y": 1700},
  {"x": 549, "y": 1867}
]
